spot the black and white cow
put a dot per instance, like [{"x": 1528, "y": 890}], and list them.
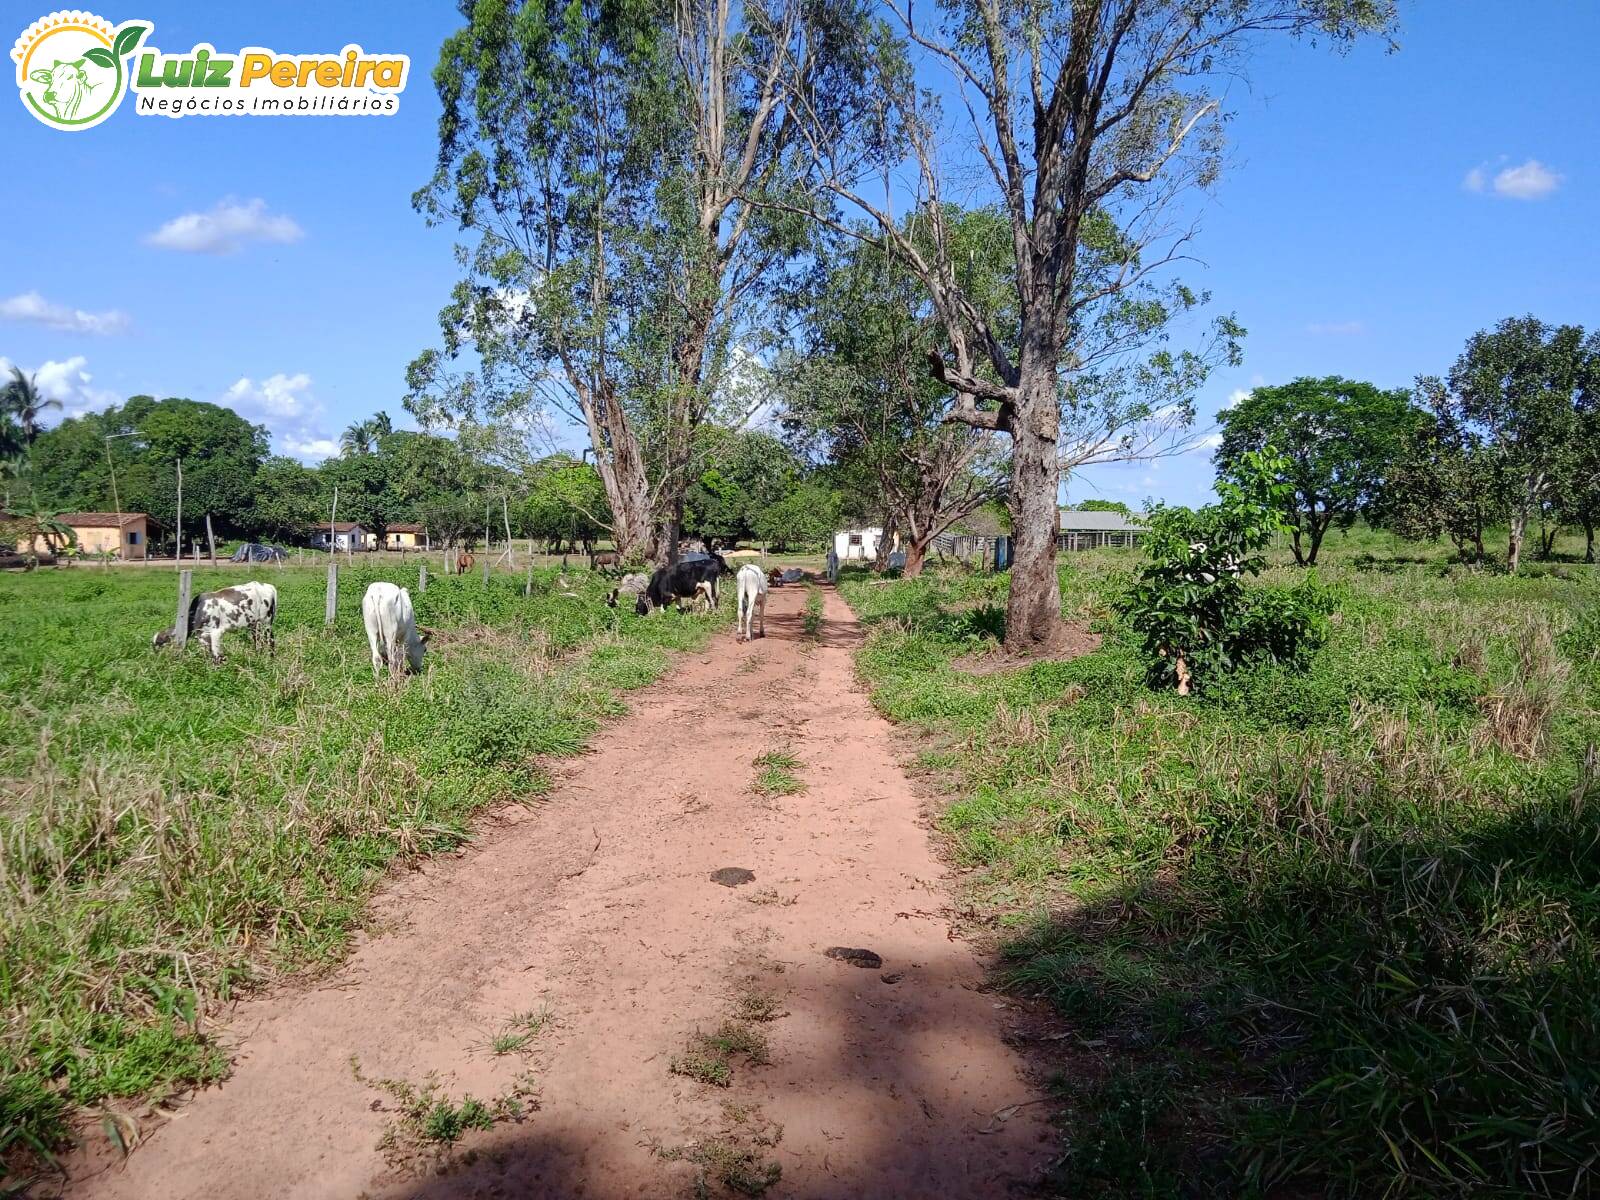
[
  {"x": 251, "y": 606},
  {"x": 683, "y": 581}
]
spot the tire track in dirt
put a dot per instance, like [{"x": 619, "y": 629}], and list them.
[{"x": 598, "y": 904}]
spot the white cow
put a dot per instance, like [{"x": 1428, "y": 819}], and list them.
[
  {"x": 752, "y": 601},
  {"x": 391, "y": 629},
  {"x": 249, "y": 606}
]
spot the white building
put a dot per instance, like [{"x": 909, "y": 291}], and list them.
[
  {"x": 347, "y": 535},
  {"x": 857, "y": 545}
]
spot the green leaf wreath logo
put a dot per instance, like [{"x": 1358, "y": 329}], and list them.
[{"x": 72, "y": 67}]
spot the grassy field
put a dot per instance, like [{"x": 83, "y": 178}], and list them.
[
  {"x": 1320, "y": 934},
  {"x": 173, "y": 832}
]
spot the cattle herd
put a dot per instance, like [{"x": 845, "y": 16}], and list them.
[{"x": 391, "y": 624}]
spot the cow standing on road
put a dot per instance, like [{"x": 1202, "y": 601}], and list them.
[{"x": 752, "y": 602}]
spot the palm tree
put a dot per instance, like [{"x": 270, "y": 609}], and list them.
[
  {"x": 362, "y": 437},
  {"x": 357, "y": 438},
  {"x": 21, "y": 400},
  {"x": 12, "y": 444},
  {"x": 31, "y": 522}
]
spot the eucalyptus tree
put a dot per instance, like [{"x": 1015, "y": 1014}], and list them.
[
  {"x": 1086, "y": 122},
  {"x": 606, "y": 164}
]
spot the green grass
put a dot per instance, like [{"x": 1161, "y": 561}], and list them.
[
  {"x": 427, "y": 1122},
  {"x": 518, "y": 1031},
  {"x": 173, "y": 832},
  {"x": 709, "y": 1057},
  {"x": 812, "y": 620},
  {"x": 734, "y": 1159},
  {"x": 775, "y": 774},
  {"x": 1333, "y": 933}
]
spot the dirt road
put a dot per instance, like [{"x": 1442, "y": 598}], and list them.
[{"x": 597, "y": 908}]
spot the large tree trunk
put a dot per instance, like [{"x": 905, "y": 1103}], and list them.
[
  {"x": 1588, "y": 541},
  {"x": 1519, "y": 522},
  {"x": 620, "y": 463},
  {"x": 916, "y": 555},
  {"x": 1033, "y": 606}
]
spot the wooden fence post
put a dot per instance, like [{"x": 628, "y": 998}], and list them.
[
  {"x": 486, "y": 566},
  {"x": 180, "y": 627},
  {"x": 527, "y": 586},
  {"x": 422, "y": 578},
  {"x": 333, "y": 594}
]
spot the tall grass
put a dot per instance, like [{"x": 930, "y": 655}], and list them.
[
  {"x": 172, "y": 832},
  {"x": 1329, "y": 933}
]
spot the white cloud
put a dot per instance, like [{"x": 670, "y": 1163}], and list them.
[
  {"x": 1336, "y": 328},
  {"x": 280, "y": 396},
  {"x": 286, "y": 406},
  {"x": 226, "y": 228},
  {"x": 1209, "y": 442},
  {"x": 70, "y": 382},
  {"x": 1530, "y": 180},
  {"x": 312, "y": 448},
  {"x": 1237, "y": 396},
  {"x": 31, "y": 306}
]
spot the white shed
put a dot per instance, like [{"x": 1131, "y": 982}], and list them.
[{"x": 857, "y": 545}]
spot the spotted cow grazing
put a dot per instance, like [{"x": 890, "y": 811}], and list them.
[
  {"x": 251, "y": 606},
  {"x": 391, "y": 630}
]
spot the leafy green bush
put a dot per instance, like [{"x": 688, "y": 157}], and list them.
[{"x": 1190, "y": 604}]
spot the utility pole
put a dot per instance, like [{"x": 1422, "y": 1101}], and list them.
[
  {"x": 177, "y": 546},
  {"x": 115, "y": 498}
]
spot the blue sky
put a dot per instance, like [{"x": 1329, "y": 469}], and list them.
[{"x": 1379, "y": 209}]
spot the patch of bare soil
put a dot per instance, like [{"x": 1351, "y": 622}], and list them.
[
  {"x": 1073, "y": 639},
  {"x": 622, "y": 1024}
]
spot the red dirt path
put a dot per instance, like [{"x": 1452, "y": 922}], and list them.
[{"x": 598, "y": 903}]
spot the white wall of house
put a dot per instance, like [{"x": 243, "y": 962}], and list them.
[
  {"x": 857, "y": 545},
  {"x": 351, "y": 539}
]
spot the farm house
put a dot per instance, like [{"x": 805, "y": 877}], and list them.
[
  {"x": 404, "y": 536},
  {"x": 346, "y": 535},
  {"x": 98, "y": 533}
]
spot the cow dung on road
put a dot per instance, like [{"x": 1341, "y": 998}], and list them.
[
  {"x": 856, "y": 958},
  {"x": 732, "y": 876}
]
